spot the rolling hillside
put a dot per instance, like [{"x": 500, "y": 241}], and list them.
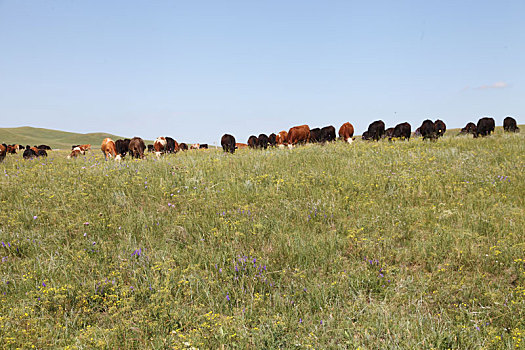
[{"x": 54, "y": 138}]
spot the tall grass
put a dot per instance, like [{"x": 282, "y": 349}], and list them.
[{"x": 371, "y": 245}]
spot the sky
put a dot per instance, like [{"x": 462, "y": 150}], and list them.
[{"x": 194, "y": 70}]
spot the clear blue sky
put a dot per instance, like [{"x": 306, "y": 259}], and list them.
[{"x": 194, "y": 70}]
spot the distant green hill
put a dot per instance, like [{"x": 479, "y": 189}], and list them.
[{"x": 27, "y": 135}]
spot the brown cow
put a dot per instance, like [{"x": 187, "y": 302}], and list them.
[
  {"x": 108, "y": 148},
  {"x": 298, "y": 134},
  {"x": 346, "y": 131},
  {"x": 3, "y": 151},
  {"x": 85, "y": 148},
  {"x": 241, "y": 145},
  {"x": 281, "y": 137},
  {"x": 75, "y": 153},
  {"x": 137, "y": 147}
]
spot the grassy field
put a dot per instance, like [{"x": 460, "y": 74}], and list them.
[
  {"x": 56, "y": 139},
  {"x": 412, "y": 245}
]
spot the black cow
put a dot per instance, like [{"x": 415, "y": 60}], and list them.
[
  {"x": 439, "y": 128},
  {"x": 486, "y": 126},
  {"x": 252, "y": 141},
  {"x": 170, "y": 145},
  {"x": 389, "y": 133},
  {"x": 427, "y": 130},
  {"x": 46, "y": 147},
  {"x": 510, "y": 125},
  {"x": 183, "y": 146},
  {"x": 122, "y": 147},
  {"x": 376, "y": 130},
  {"x": 365, "y": 136},
  {"x": 315, "y": 135},
  {"x": 29, "y": 153},
  {"x": 262, "y": 141},
  {"x": 470, "y": 128},
  {"x": 136, "y": 148},
  {"x": 402, "y": 131},
  {"x": 272, "y": 139},
  {"x": 327, "y": 134},
  {"x": 41, "y": 153},
  {"x": 228, "y": 143},
  {"x": 151, "y": 148},
  {"x": 203, "y": 146}
]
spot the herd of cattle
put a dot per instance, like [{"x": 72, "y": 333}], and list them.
[
  {"x": 136, "y": 147},
  {"x": 376, "y": 131}
]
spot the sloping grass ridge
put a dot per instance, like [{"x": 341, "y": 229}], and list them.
[
  {"x": 27, "y": 135},
  {"x": 370, "y": 245}
]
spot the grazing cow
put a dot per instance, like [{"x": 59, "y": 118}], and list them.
[
  {"x": 470, "y": 128},
  {"x": 428, "y": 130},
  {"x": 402, "y": 131},
  {"x": 11, "y": 149},
  {"x": 510, "y": 125},
  {"x": 376, "y": 130},
  {"x": 121, "y": 146},
  {"x": 439, "y": 128},
  {"x": 108, "y": 149},
  {"x": 327, "y": 134},
  {"x": 75, "y": 153},
  {"x": 46, "y": 147},
  {"x": 298, "y": 134},
  {"x": 29, "y": 153},
  {"x": 183, "y": 146},
  {"x": 315, "y": 135},
  {"x": 228, "y": 143},
  {"x": 160, "y": 145},
  {"x": 485, "y": 126},
  {"x": 262, "y": 141},
  {"x": 151, "y": 148},
  {"x": 366, "y": 136},
  {"x": 203, "y": 146},
  {"x": 172, "y": 146},
  {"x": 252, "y": 141},
  {"x": 272, "y": 139},
  {"x": 41, "y": 153},
  {"x": 86, "y": 147},
  {"x": 282, "y": 137},
  {"x": 80, "y": 151},
  {"x": 389, "y": 133},
  {"x": 136, "y": 148},
  {"x": 346, "y": 132},
  {"x": 3, "y": 151},
  {"x": 241, "y": 145}
]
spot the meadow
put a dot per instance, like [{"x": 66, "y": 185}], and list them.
[{"x": 410, "y": 245}]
